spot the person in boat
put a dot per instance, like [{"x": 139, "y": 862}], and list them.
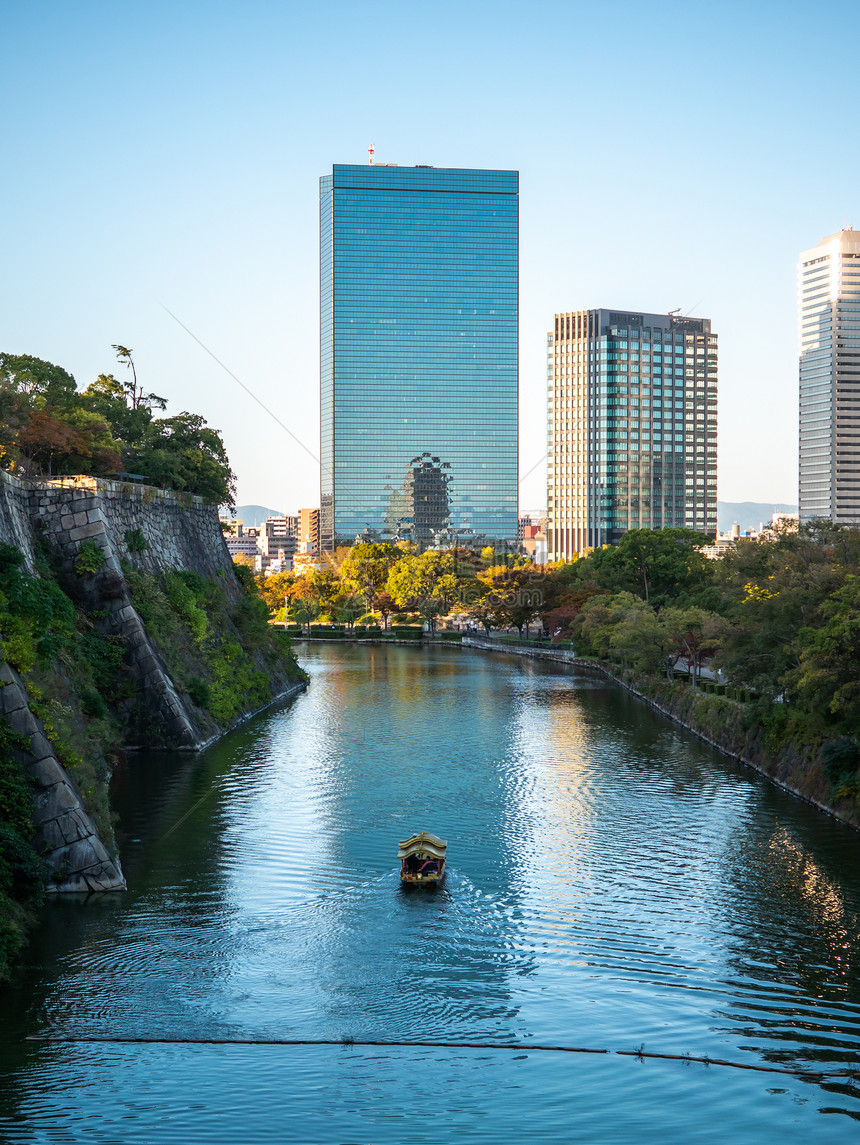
[{"x": 429, "y": 867}]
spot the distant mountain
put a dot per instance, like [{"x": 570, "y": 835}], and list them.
[
  {"x": 253, "y": 515},
  {"x": 747, "y": 514}
]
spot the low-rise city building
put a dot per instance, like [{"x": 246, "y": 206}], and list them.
[
  {"x": 725, "y": 542},
  {"x": 309, "y": 531},
  {"x": 277, "y": 543},
  {"x": 241, "y": 541}
]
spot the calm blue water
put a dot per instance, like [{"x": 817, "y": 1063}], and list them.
[{"x": 612, "y": 884}]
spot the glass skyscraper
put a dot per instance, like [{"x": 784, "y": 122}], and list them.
[
  {"x": 632, "y": 427},
  {"x": 418, "y": 355},
  {"x": 829, "y": 484}
]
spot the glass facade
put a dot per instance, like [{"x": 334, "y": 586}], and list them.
[
  {"x": 829, "y": 429},
  {"x": 632, "y": 427},
  {"x": 418, "y": 355}
]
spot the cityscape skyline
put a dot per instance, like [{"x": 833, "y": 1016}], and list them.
[{"x": 193, "y": 187}]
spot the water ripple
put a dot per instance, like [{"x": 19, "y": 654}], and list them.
[{"x": 611, "y": 882}]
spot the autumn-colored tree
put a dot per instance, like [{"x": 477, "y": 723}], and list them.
[
  {"x": 510, "y": 595},
  {"x": 275, "y": 589},
  {"x": 78, "y": 442}
]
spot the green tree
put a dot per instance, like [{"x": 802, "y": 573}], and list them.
[
  {"x": 691, "y": 634},
  {"x": 426, "y": 583},
  {"x": 827, "y": 679},
  {"x": 37, "y": 378},
  {"x": 275, "y": 589},
  {"x": 656, "y": 564},
  {"x": 74, "y": 440},
  {"x": 770, "y": 591},
  {"x": 346, "y": 606},
  {"x": 385, "y": 606},
  {"x": 134, "y": 393},
  {"x": 184, "y": 454},
  {"x": 303, "y": 601},
  {"x": 367, "y": 567},
  {"x": 108, "y": 397}
]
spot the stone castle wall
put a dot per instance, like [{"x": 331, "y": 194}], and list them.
[
  {"x": 15, "y": 525},
  {"x": 75, "y": 857},
  {"x": 159, "y": 531}
]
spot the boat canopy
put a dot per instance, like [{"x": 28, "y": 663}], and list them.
[{"x": 425, "y": 842}]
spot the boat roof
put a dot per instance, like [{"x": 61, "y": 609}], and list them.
[{"x": 422, "y": 841}]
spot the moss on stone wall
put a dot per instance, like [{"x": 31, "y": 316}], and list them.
[{"x": 219, "y": 649}]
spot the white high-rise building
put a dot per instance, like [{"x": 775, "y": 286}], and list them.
[{"x": 829, "y": 483}]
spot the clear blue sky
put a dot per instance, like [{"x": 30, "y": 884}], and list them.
[{"x": 162, "y": 154}]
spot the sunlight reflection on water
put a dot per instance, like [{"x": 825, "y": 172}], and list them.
[{"x": 611, "y": 883}]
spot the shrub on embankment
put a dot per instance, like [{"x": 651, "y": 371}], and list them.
[
  {"x": 778, "y": 620},
  {"x": 220, "y": 652},
  {"x": 761, "y": 739},
  {"x": 71, "y": 671},
  {"x": 22, "y": 875}
]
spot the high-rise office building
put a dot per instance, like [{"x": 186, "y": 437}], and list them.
[
  {"x": 632, "y": 427},
  {"x": 419, "y": 338},
  {"x": 829, "y": 483}
]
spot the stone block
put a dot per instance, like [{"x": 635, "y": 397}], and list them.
[
  {"x": 68, "y": 522},
  {"x": 11, "y": 699},
  {"x": 77, "y": 856},
  {"x": 68, "y": 885},
  {"x": 49, "y": 836},
  {"x": 54, "y": 802},
  {"x": 98, "y": 849},
  {"x": 22, "y": 722},
  {"x": 94, "y": 514},
  {"x": 84, "y": 532},
  {"x": 46, "y": 772},
  {"x": 80, "y": 519},
  {"x": 146, "y": 662},
  {"x": 75, "y": 825},
  {"x": 105, "y": 877},
  {"x": 39, "y": 746},
  {"x": 7, "y": 675}
]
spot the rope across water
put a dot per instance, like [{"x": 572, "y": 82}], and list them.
[{"x": 641, "y": 1053}]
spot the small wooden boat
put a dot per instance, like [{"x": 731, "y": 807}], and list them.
[{"x": 422, "y": 860}]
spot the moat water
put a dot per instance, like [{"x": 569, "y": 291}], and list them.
[{"x": 613, "y": 885}]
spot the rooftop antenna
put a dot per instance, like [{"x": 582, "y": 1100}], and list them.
[{"x": 370, "y": 151}]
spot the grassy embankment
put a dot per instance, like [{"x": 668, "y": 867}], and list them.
[{"x": 734, "y": 722}]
